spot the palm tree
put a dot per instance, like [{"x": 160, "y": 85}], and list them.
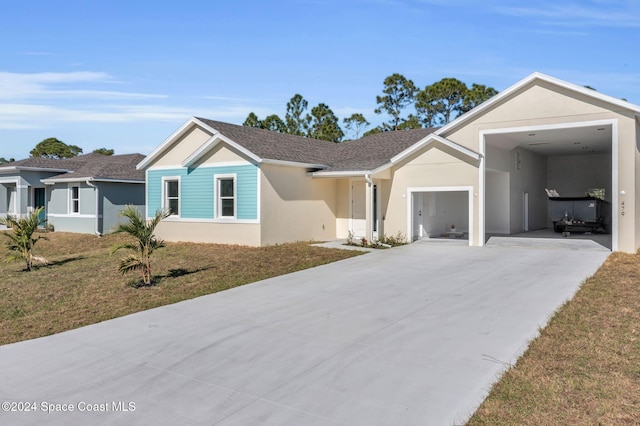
[
  {"x": 21, "y": 239},
  {"x": 142, "y": 230}
]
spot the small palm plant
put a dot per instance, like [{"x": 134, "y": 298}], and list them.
[
  {"x": 146, "y": 242},
  {"x": 21, "y": 241}
]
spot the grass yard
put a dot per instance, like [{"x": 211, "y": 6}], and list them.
[
  {"x": 81, "y": 284},
  {"x": 584, "y": 368}
]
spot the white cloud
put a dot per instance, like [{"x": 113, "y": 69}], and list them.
[
  {"x": 17, "y": 86},
  {"x": 577, "y": 15},
  {"x": 563, "y": 33},
  {"x": 31, "y": 116},
  {"x": 22, "y": 116},
  {"x": 100, "y": 94},
  {"x": 228, "y": 99},
  {"x": 42, "y": 100}
]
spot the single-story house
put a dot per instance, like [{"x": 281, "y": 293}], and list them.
[
  {"x": 80, "y": 194},
  {"x": 487, "y": 172}
]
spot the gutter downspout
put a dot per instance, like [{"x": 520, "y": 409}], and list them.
[
  {"x": 367, "y": 178},
  {"x": 97, "y": 194}
]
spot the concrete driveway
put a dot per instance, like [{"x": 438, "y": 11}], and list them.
[{"x": 410, "y": 336}]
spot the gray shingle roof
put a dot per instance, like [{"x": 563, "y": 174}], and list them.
[
  {"x": 39, "y": 163},
  {"x": 376, "y": 150},
  {"x": 276, "y": 146},
  {"x": 366, "y": 153},
  {"x": 96, "y": 166}
]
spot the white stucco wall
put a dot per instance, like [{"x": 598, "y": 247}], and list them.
[
  {"x": 432, "y": 167},
  {"x": 295, "y": 207}
]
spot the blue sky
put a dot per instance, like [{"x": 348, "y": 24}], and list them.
[{"x": 126, "y": 74}]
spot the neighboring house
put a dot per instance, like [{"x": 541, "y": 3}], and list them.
[
  {"x": 485, "y": 172},
  {"x": 80, "y": 194}
]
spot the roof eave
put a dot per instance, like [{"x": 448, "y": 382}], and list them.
[
  {"x": 117, "y": 180},
  {"x": 64, "y": 180},
  {"x": 293, "y": 164},
  {"x": 31, "y": 169},
  {"x": 89, "y": 179},
  {"x": 341, "y": 174}
]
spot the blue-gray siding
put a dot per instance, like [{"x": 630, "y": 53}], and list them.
[{"x": 197, "y": 190}]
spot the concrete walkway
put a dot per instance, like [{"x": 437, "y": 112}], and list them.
[{"x": 415, "y": 335}]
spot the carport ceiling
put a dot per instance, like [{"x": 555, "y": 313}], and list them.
[{"x": 552, "y": 142}]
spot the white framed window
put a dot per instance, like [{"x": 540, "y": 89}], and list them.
[
  {"x": 74, "y": 199},
  {"x": 226, "y": 200},
  {"x": 171, "y": 195}
]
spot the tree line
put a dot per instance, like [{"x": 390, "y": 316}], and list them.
[
  {"x": 318, "y": 123},
  {"x": 56, "y": 149},
  {"x": 406, "y": 105}
]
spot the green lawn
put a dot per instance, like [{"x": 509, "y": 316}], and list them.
[{"x": 81, "y": 285}]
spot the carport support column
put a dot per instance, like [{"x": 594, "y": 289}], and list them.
[
  {"x": 370, "y": 207},
  {"x": 481, "y": 194}
]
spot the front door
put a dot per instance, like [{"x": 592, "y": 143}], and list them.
[{"x": 39, "y": 201}]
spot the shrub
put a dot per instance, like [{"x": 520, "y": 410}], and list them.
[
  {"x": 21, "y": 241},
  {"x": 350, "y": 239},
  {"x": 381, "y": 243},
  {"x": 146, "y": 242},
  {"x": 398, "y": 240}
]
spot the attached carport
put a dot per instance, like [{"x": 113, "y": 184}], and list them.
[
  {"x": 547, "y": 134},
  {"x": 521, "y": 164}
]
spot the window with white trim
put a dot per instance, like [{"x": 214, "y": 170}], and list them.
[
  {"x": 226, "y": 197},
  {"x": 172, "y": 196},
  {"x": 74, "y": 204}
]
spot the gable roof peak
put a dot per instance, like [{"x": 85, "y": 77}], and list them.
[
  {"x": 269, "y": 145},
  {"x": 521, "y": 85}
]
